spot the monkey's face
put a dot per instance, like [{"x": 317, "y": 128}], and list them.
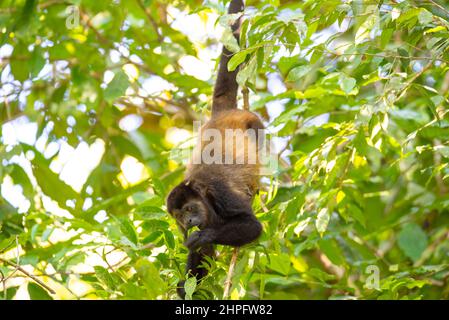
[
  {"x": 187, "y": 206},
  {"x": 192, "y": 214}
]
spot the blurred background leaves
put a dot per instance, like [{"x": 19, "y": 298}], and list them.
[{"x": 97, "y": 105}]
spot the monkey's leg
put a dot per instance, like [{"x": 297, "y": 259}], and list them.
[
  {"x": 236, "y": 231},
  {"x": 194, "y": 268}
]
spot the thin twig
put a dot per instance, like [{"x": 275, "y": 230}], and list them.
[
  {"x": 228, "y": 281},
  {"x": 151, "y": 21},
  {"x": 7, "y": 246},
  {"x": 416, "y": 76},
  {"x": 439, "y": 6},
  {"x": 105, "y": 258},
  {"x": 431, "y": 249},
  {"x": 245, "y": 93},
  {"x": 40, "y": 6},
  {"x": 12, "y": 264},
  {"x": 394, "y": 56},
  {"x": 3, "y": 282}
]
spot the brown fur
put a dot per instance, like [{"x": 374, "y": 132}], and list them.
[
  {"x": 241, "y": 178},
  {"x": 221, "y": 193}
]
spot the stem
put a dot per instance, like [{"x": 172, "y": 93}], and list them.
[
  {"x": 228, "y": 282},
  {"x": 151, "y": 21},
  {"x": 439, "y": 6},
  {"x": 12, "y": 264},
  {"x": 245, "y": 93}
]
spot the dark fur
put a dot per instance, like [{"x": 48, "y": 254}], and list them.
[
  {"x": 225, "y": 91},
  {"x": 231, "y": 221},
  {"x": 225, "y": 191}
]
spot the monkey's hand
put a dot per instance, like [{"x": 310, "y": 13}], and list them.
[
  {"x": 180, "y": 289},
  {"x": 200, "y": 238}
]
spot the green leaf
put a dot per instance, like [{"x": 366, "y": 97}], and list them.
[
  {"x": 437, "y": 100},
  {"x": 36, "y": 292},
  {"x": 280, "y": 263},
  {"x": 229, "y": 41},
  {"x": 169, "y": 239},
  {"x": 425, "y": 17},
  {"x": 412, "y": 240},
  {"x": 289, "y": 114},
  {"x": 158, "y": 186},
  {"x": 21, "y": 178},
  {"x": 10, "y": 292},
  {"x": 436, "y": 29},
  {"x": 247, "y": 72},
  {"x": 49, "y": 181},
  {"x": 105, "y": 277},
  {"x": 298, "y": 72},
  {"x": 128, "y": 230},
  {"x": 152, "y": 237},
  {"x": 47, "y": 233},
  {"x": 290, "y": 36},
  {"x": 36, "y": 62},
  {"x": 237, "y": 59},
  {"x": 386, "y": 37},
  {"x": 117, "y": 87},
  {"x": 346, "y": 83},
  {"x": 150, "y": 278},
  {"x": 19, "y": 64},
  {"x": 357, "y": 214},
  {"x": 126, "y": 147},
  {"x": 320, "y": 275},
  {"x": 372, "y": 18},
  {"x": 331, "y": 249},
  {"x": 189, "y": 287},
  {"x": 111, "y": 280},
  {"x": 149, "y": 212},
  {"x": 410, "y": 14},
  {"x": 316, "y": 55},
  {"x": 322, "y": 220}
]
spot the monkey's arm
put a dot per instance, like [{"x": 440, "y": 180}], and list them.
[
  {"x": 194, "y": 266},
  {"x": 237, "y": 232},
  {"x": 196, "y": 258},
  {"x": 238, "y": 225},
  {"x": 226, "y": 202}
]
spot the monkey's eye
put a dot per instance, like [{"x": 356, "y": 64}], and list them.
[{"x": 188, "y": 208}]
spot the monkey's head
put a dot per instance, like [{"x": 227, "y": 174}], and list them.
[{"x": 186, "y": 204}]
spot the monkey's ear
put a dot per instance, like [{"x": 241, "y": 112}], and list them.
[{"x": 226, "y": 202}]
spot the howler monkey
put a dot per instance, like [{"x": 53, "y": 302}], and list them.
[{"x": 217, "y": 197}]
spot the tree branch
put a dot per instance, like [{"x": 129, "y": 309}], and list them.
[
  {"x": 29, "y": 275},
  {"x": 439, "y": 6},
  {"x": 228, "y": 281},
  {"x": 151, "y": 20}
]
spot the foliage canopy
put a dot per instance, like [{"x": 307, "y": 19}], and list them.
[{"x": 96, "y": 95}]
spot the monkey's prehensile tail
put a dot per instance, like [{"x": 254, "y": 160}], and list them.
[{"x": 225, "y": 91}]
